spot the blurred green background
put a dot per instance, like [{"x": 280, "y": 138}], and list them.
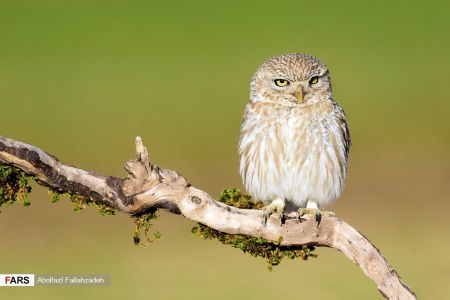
[{"x": 81, "y": 79}]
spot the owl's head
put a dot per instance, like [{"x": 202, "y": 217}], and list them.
[{"x": 291, "y": 79}]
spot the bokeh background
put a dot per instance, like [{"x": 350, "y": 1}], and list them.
[{"x": 82, "y": 78}]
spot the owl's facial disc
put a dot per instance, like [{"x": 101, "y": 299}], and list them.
[{"x": 291, "y": 79}]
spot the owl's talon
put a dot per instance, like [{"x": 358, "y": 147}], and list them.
[
  {"x": 318, "y": 218},
  {"x": 314, "y": 213},
  {"x": 277, "y": 206},
  {"x": 266, "y": 216}
]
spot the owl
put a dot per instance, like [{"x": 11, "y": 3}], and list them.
[{"x": 294, "y": 140}]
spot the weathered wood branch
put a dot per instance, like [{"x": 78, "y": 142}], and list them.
[{"x": 148, "y": 187}]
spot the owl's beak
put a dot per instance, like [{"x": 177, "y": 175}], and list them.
[{"x": 299, "y": 95}]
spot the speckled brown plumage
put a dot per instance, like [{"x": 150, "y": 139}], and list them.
[{"x": 294, "y": 138}]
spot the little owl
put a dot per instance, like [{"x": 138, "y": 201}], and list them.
[{"x": 294, "y": 137}]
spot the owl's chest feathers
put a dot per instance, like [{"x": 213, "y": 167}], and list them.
[
  {"x": 296, "y": 131},
  {"x": 293, "y": 152}
]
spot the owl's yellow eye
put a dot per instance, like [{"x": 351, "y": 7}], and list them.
[
  {"x": 314, "y": 80},
  {"x": 281, "y": 82}
]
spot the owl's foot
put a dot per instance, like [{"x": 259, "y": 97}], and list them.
[
  {"x": 315, "y": 213},
  {"x": 277, "y": 206}
]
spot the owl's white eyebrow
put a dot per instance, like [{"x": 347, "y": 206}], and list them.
[
  {"x": 323, "y": 74},
  {"x": 317, "y": 75}
]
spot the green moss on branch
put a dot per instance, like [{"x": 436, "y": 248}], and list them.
[
  {"x": 234, "y": 197},
  {"x": 80, "y": 203},
  {"x": 14, "y": 185},
  {"x": 272, "y": 252},
  {"x": 143, "y": 223}
]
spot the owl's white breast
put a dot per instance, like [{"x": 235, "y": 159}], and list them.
[{"x": 294, "y": 153}]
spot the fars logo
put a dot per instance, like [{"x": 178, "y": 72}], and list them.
[{"x": 16, "y": 279}]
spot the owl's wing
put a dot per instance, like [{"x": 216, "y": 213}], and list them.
[{"x": 344, "y": 130}]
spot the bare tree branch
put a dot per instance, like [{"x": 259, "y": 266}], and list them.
[{"x": 148, "y": 187}]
